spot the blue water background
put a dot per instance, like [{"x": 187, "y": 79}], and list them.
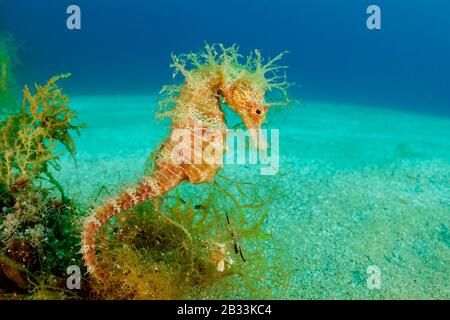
[{"x": 124, "y": 46}]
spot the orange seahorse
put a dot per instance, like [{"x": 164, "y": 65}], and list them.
[{"x": 214, "y": 76}]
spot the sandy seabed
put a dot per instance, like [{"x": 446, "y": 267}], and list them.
[{"x": 363, "y": 187}]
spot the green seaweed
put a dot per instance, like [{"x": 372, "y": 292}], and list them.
[
  {"x": 38, "y": 233},
  {"x": 171, "y": 247},
  {"x": 28, "y": 140}
]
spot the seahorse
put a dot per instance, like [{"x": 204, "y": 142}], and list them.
[{"x": 211, "y": 78}]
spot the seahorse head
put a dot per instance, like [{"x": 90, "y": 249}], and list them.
[
  {"x": 247, "y": 99},
  {"x": 249, "y": 86},
  {"x": 244, "y": 85}
]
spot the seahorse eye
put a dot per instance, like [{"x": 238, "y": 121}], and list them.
[{"x": 258, "y": 111}]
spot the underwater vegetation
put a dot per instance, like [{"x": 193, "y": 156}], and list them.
[
  {"x": 188, "y": 240},
  {"x": 211, "y": 78},
  {"x": 35, "y": 225},
  {"x": 28, "y": 139}
]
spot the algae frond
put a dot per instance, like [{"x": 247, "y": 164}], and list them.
[
  {"x": 37, "y": 230},
  {"x": 184, "y": 242}
]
